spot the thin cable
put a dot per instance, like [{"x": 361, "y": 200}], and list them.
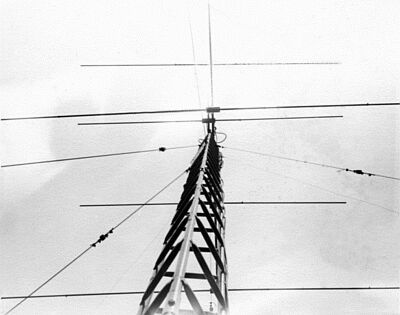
[
  {"x": 222, "y": 133},
  {"x": 148, "y": 200},
  {"x": 281, "y": 157},
  {"x": 140, "y": 256},
  {"x": 160, "y": 149},
  {"x": 359, "y": 172},
  {"x": 195, "y": 67},
  {"x": 317, "y": 186},
  {"x": 225, "y": 202},
  {"x": 194, "y": 62},
  {"x": 211, "y": 292},
  {"x": 48, "y": 280},
  {"x": 101, "y": 239},
  {"x": 207, "y": 290},
  {"x": 204, "y": 130}
]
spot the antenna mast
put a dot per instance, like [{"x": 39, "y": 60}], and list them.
[{"x": 197, "y": 229}]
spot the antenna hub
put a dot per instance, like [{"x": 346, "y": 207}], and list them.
[
  {"x": 213, "y": 109},
  {"x": 208, "y": 120}
]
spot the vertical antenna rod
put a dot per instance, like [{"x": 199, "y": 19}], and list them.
[
  {"x": 197, "y": 232},
  {"x": 211, "y": 59}
]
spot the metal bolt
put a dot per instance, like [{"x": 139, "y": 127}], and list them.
[{"x": 171, "y": 302}]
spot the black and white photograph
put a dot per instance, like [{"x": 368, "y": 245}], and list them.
[{"x": 200, "y": 157}]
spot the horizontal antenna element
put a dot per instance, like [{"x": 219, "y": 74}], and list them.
[
  {"x": 207, "y": 291},
  {"x": 208, "y": 110},
  {"x": 226, "y": 203},
  {"x": 223, "y": 64},
  {"x": 205, "y": 120}
]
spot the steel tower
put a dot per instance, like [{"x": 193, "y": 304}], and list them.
[{"x": 197, "y": 234}]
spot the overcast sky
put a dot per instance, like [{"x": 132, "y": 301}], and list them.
[{"x": 42, "y": 226}]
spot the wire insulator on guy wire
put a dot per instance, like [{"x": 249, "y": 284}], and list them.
[
  {"x": 355, "y": 171},
  {"x": 161, "y": 149},
  {"x": 93, "y": 245}
]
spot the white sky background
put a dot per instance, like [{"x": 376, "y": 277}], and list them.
[{"x": 42, "y": 227}]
